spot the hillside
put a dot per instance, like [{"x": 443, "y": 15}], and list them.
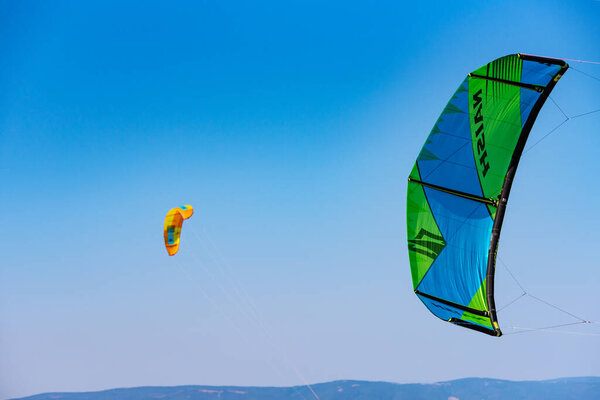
[{"x": 585, "y": 388}]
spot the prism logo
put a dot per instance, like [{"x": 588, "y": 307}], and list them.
[{"x": 479, "y": 134}]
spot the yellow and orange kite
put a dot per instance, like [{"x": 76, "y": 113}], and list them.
[{"x": 173, "y": 222}]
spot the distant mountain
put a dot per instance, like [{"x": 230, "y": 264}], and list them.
[{"x": 463, "y": 389}]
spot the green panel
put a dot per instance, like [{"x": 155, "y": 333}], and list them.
[
  {"x": 425, "y": 240},
  {"x": 495, "y": 118},
  {"x": 485, "y": 321},
  {"x": 479, "y": 300}
]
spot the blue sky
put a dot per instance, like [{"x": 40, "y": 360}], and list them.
[{"x": 291, "y": 128}]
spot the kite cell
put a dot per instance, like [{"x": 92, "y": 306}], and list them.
[
  {"x": 173, "y": 223},
  {"x": 459, "y": 186}
]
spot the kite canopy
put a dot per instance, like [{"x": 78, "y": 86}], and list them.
[
  {"x": 459, "y": 186},
  {"x": 173, "y": 222}
]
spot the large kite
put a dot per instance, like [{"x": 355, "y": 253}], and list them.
[{"x": 459, "y": 186}]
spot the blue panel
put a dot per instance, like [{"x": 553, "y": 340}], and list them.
[
  {"x": 536, "y": 73},
  {"x": 528, "y": 99},
  {"x": 450, "y": 142},
  {"x": 460, "y": 268},
  {"x": 440, "y": 310}
]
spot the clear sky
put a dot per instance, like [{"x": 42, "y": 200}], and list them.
[{"x": 291, "y": 128}]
